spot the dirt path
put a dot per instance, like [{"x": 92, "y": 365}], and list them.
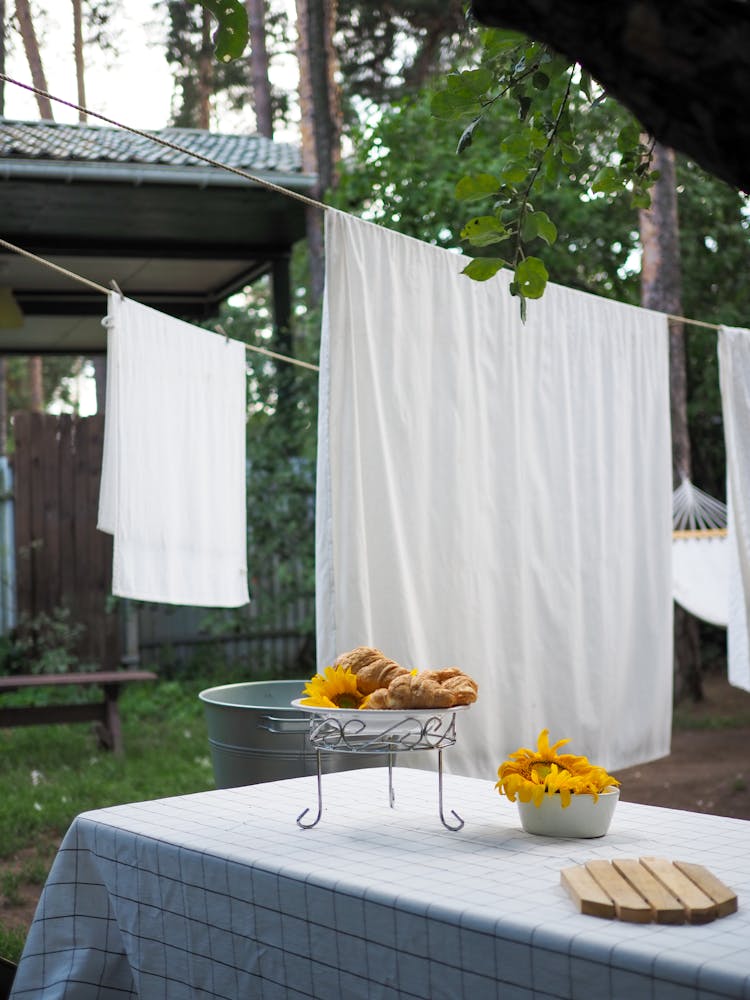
[{"x": 709, "y": 768}]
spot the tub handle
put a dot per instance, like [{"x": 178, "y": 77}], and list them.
[{"x": 273, "y": 724}]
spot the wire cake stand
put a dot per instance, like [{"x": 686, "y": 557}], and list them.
[{"x": 376, "y": 731}]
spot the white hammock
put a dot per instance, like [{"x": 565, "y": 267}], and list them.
[{"x": 700, "y": 555}]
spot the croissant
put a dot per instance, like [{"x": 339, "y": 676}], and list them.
[
  {"x": 428, "y": 689},
  {"x": 372, "y": 667},
  {"x": 463, "y": 687}
]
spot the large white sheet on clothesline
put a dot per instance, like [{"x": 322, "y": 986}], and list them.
[
  {"x": 497, "y": 496},
  {"x": 173, "y": 486},
  {"x": 734, "y": 375}
]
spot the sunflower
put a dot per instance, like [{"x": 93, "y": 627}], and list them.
[
  {"x": 336, "y": 687},
  {"x": 533, "y": 774}
]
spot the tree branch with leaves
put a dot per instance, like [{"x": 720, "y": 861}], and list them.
[{"x": 540, "y": 149}]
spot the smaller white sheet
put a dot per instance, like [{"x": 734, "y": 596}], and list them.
[
  {"x": 734, "y": 375},
  {"x": 173, "y": 488}
]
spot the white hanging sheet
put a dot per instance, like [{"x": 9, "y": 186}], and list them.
[
  {"x": 173, "y": 487},
  {"x": 497, "y": 496},
  {"x": 734, "y": 376}
]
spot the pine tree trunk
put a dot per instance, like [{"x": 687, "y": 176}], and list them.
[
  {"x": 205, "y": 75},
  {"x": 2, "y": 56},
  {"x": 320, "y": 123},
  {"x": 661, "y": 289},
  {"x": 36, "y": 385},
  {"x": 256, "y": 15},
  {"x": 33, "y": 57},
  {"x": 78, "y": 55}
]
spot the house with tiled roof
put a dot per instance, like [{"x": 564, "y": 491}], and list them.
[{"x": 146, "y": 210}]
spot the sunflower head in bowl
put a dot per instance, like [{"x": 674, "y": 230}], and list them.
[{"x": 532, "y": 774}]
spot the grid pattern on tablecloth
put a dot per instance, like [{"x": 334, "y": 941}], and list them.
[{"x": 222, "y": 895}]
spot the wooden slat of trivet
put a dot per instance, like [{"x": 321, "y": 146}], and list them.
[
  {"x": 665, "y": 908},
  {"x": 629, "y": 905},
  {"x": 699, "y": 907},
  {"x": 587, "y": 893},
  {"x": 722, "y": 895}
]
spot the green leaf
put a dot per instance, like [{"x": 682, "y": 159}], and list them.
[
  {"x": 514, "y": 173},
  {"x": 545, "y": 228},
  {"x": 607, "y": 181},
  {"x": 484, "y": 230},
  {"x": 641, "y": 199},
  {"x": 517, "y": 143},
  {"x": 449, "y": 105},
  {"x": 496, "y": 41},
  {"x": 628, "y": 138},
  {"x": 569, "y": 153},
  {"x": 473, "y": 188},
  {"x": 467, "y": 136},
  {"x": 231, "y": 36},
  {"x": 471, "y": 81},
  {"x": 482, "y": 268},
  {"x": 540, "y": 80},
  {"x": 531, "y": 278},
  {"x": 529, "y": 230}
]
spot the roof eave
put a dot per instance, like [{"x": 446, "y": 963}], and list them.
[{"x": 138, "y": 174}]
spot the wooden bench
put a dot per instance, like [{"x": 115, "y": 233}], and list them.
[{"x": 105, "y": 712}]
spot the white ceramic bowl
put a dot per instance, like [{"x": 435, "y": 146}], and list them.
[{"x": 584, "y": 817}]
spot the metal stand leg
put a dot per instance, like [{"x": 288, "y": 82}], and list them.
[
  {"x": 440, "y": 798},
  {"x": 391, "y": 796},
  {"x": 309, "y": 826}
]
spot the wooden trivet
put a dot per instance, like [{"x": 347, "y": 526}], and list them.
[{"x": 641, "y": 890}]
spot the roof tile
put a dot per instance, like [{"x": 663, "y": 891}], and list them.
[{"x": 95, "y": 143}]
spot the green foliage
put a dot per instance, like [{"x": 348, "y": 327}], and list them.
[
  {"x": 403, "y": 172},
  {"x": 387, "y": 51},
  {"x": 52, "y": 773},
  {"x": 544, "y": 103},
  {"x": 229, "y": 79},
  {"x": 231, "y": 35},
  {"x": 44, "y": 644}
]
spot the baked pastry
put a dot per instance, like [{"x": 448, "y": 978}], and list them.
[
  {"x": 427, "y": 689},
  {"x": 372, "y": 668}
]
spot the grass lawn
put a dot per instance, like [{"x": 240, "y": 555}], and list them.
[{"x": 49, "y": 774}]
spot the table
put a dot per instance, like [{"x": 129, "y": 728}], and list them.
[{"x": 222, "y": 895}]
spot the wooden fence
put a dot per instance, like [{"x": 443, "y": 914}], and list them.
[{"x": 62, "y": 560}]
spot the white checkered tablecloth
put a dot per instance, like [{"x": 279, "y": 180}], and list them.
[{"x": 221, "y": 895}]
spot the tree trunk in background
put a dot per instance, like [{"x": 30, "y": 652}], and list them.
[
  {"x": 256, "y": 16},
  {"x": 78, "y": 55},
  {"x": 34, "y": 59},
  {"x": 33, "y": 56},
  {"x": 99, "y": 361},
  {"x": 320, "y": 123},
  {"x": 2, "y": 56},
  {"x": 661, "y": 289},
  {"x": 205, "y": 75},
  {"x": 36, "y": 385}
]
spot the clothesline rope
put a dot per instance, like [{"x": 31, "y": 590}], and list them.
[
  {"x": 106, "y": 291},
  {"x": 222, "y": 166},
  {"x": 55, "y": 267}
]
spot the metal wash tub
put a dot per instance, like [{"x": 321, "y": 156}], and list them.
[{"x": 256, "y": 735}]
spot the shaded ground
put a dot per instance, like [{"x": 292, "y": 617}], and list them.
[{"x": 708, "y": 771}]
